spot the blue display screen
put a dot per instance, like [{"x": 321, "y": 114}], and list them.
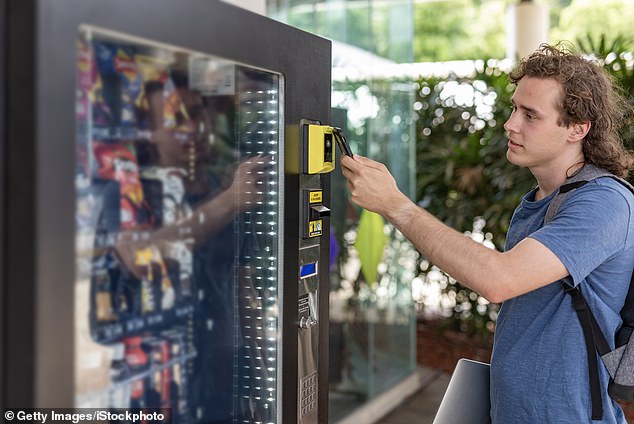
[{"x": 308, "y": 270}]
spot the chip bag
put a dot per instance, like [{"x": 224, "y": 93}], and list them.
[
  {"x": 89, "y": 94},
  {"x": 117, "y": 65},
  {"x": 118, "y": 162}
]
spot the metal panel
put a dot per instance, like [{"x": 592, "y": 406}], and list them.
[
  {"x": 3, "y": 137},
  {"x": 19, "y": 208}
]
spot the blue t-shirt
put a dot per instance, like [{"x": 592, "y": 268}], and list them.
[{"x": 539, "y": 366}]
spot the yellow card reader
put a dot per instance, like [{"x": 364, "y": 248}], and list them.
[{"x": 318, "y": 148}]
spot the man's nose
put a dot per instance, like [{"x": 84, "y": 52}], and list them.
[{"x": 509, "y": 125}]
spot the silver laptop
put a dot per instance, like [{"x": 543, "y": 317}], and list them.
[{"x": 466, "y": 400}]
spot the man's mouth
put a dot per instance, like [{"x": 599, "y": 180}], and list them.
[{"x": 514, "y": 144}]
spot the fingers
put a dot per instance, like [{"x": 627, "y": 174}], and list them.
[
  {"x": 353, "y": 168},
  {"x": 346, "y": 162},
  {"x": 369, "y": 162},
  {"x": 358, "y": 162},
  {"x": 350, "y": 166},
  {"x": 346, "y": 168},
  {"x": 362, "y": 167}
]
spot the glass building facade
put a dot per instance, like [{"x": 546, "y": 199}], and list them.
[{"x": 372, "y": 317}]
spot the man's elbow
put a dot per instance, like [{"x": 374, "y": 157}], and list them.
[
  {"x": 495, "y": 297},
  {"x": 496, "y": 289}
]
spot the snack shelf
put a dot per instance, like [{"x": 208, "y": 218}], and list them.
[
  {"x": 115, "y": 134},
  {"x": 110, "y": 332},
  {"x": 89, "y": 398}
]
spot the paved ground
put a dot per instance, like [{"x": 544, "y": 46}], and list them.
[{"x": 421, "y": 407}]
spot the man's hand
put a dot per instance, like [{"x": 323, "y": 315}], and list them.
[{"x": 372, "y": 186}]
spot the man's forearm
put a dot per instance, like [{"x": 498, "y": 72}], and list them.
[
  {"x": 471, "y": 263},
  {"x": 495, "y": 275}
]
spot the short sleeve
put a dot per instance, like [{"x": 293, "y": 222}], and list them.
[{"x": 591, "y": 226}]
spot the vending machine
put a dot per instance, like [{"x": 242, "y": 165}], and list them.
[{"x": 165, "y": 211}]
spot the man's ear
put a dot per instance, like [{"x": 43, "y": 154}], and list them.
[{"x": 579, "y": 131}]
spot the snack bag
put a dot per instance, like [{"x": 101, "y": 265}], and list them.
[
  {"x": 90, "y": 88},
  {"x": 150, "y": 103},
  {"x": 90, "y": 106},
  {"x": 173, "y": 207},
  {"x": 160, "y": 101},
  {"x": 159, "y": 353},
  {"x": 175, "y": 115},
  {"x": 137, "y": 361},
  {"x": 103, "y": 305},
  {"x": 181, "y": 251},
  {"x": 118, "y": 162},
  {"x": 117, "y": 65},
  {"x": 84, "y": 79},
  {"x": 151, "y": 260}
]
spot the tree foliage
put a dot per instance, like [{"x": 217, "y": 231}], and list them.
[
  {"x": 462, "y": 170},
  {"x": 447, "y": 30},
  {"x": 593, "y": 18},
  {"x": 458, "y": 29},
  {"x": 461, "y": 150},
  {"x": 463, "y": 173},
  {"x": 618, "y": 60}
]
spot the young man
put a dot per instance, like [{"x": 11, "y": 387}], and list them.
[{"x": 565, "y": 115}]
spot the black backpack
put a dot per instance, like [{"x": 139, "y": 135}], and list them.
[{"x": 620, "y": 361}]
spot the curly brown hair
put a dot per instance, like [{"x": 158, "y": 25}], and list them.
[{"x": 588, "y": 95}]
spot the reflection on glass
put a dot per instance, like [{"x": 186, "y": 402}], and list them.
[
  {"x": 372, "y": 318},
  {"x": 177, "y": 216}
]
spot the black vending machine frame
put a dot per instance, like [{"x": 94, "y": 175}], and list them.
[
  {"x": 38, "y": 193},
  {"x": 3, "y": 137}
]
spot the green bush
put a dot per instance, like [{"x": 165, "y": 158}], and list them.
[{"x": 463, "y": 175}]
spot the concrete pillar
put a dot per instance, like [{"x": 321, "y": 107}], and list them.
[
  {"x": 528, "y": 24},
  {"x": 257, "y": 6}
]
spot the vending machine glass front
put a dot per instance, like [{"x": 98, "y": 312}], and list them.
[{"x": 177, "y": 220}]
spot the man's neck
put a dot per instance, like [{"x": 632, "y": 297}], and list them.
[{"x": 549, "y": 180}]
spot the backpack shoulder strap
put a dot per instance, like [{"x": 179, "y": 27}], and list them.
[
  {"x": 594, "y": 337},
  {"x": 595, "y": 342},
  {"x": 587, "y": 173}
]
